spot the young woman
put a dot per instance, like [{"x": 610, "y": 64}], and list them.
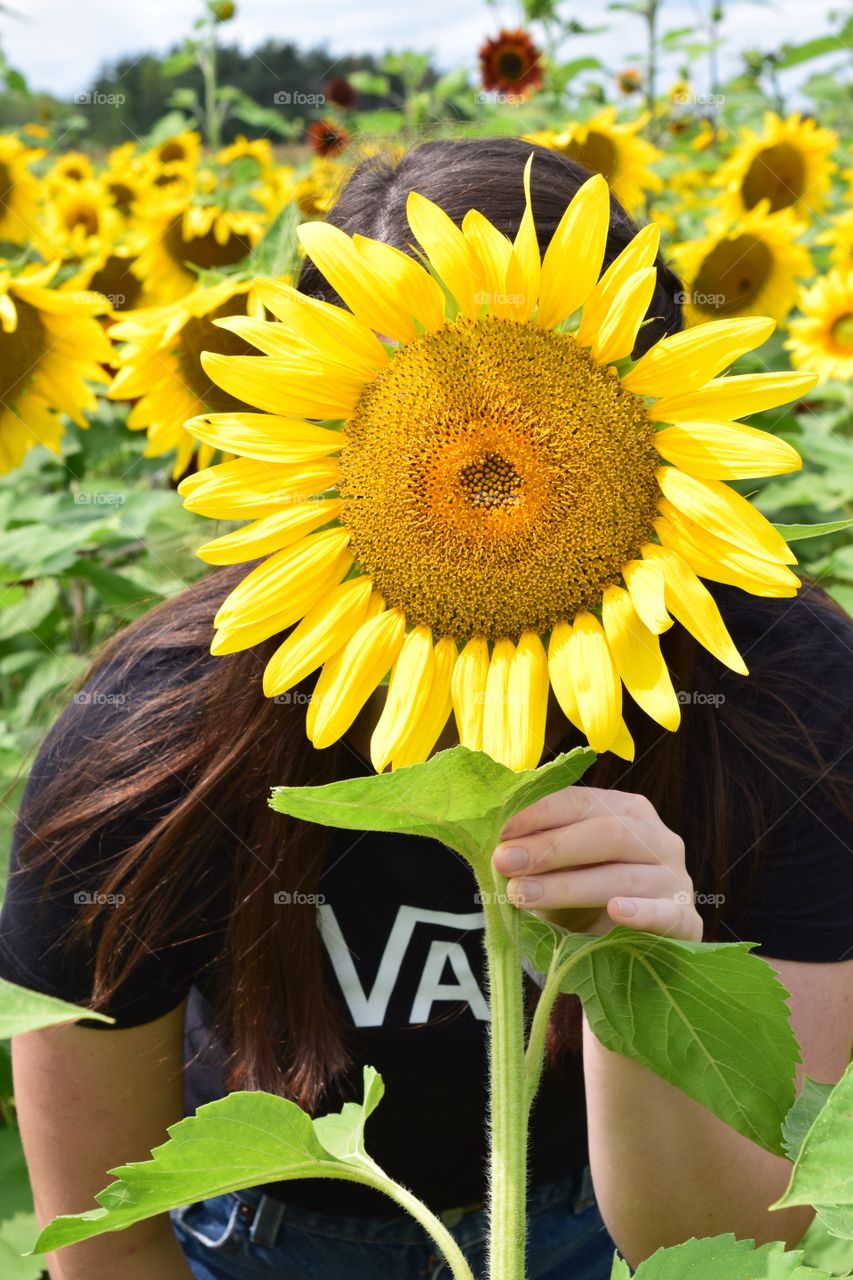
[{"x": 237, "y": 949}]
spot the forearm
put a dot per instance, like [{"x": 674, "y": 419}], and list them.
[
  {"x": 149, "y": 1249},
  {"x": 665, "y": 1169}
]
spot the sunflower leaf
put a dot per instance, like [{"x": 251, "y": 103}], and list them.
[
  {"x": 245, "y": 1139},
  {"x": 796, "y": 532},
  {"x": 22, "y": 1010},
  {"x": 708, "y": 1017},
  {"x": 462, "y": 798},
  {"x": 823, "y": 1171},
  {"x": 722, "y": 1258}
]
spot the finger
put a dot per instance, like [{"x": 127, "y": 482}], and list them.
[
  {"x": 593, "y": 886},
  {"x": 666, "y": 917},
  {"x": 573, "y": 804},
  {"x": 608, "y": 838}
]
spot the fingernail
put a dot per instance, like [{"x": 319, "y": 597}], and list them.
[
  {"x": 514, "y": 859},
  {"x": 626, "y": 907},
  {"x": 528, "y": 890}
]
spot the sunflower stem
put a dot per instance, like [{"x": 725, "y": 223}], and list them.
[{"x": 507, "y": 1102}]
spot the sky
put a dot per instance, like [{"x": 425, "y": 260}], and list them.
[{"x": 60, "y": 44}]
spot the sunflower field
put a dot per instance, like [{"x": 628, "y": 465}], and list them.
[{"x": 120, "y": 265}]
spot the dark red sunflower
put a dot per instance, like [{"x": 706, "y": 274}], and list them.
[
  {"x": 629, "y": 80},
  {"x": 341, "y": 92},
  {"x": 327, "y": 138},
  {"x": 511, "y": 63}
]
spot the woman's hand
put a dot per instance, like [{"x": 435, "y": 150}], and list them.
[{"x": 587, "y": 859}]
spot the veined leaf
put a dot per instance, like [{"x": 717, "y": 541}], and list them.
[
  {"x": 722, "y": 1258},
  {"x": 796, "y": 532},
  {"x": 823, "y": 1171},
  {"x": 22, "y": 1010}
]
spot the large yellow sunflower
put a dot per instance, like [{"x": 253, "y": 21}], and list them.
[
  {"x": 19, "y": 190},
  {"x": 447, "y": 473},
  {"x": 787, "y": 164},
  {"x": 747, "y": 267},
  {"x": 616, "y": 151},
  {"x": 159, "y": 366},
  {"x": 822, "y": 337},
  {"x": 181, "y": 236},
  {"x": 51, "y": 347}
]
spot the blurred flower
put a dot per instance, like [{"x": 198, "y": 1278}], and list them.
[
  {"x": 19, "y": 190},
  {"x": 326, "y": 138},
  {"x": 629, "y": 81},
  {"x": 822, "y": 336},
  {"x": 613, "y": 150},
  {"x": 204, "y": 236},
  {"x": 839, "y": 235},
  {"x": 511, "y": 63},
  {"x": 341, "y": 93},
  {"x": 787, "y": 165}
]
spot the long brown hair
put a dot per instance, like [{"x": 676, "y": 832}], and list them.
[{"x": 199, "y": 747}]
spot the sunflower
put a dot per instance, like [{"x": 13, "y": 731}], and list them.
[
  {"x": 839, "y": 235},
  {"x": 341, "y": 93},
  {"x": 110, "y": 272},
  {"x": 511, "y": 63},
  {"x": 317, "y": 192},
  {"x": 822, "y": 337},
  {"x": 182, "y": 148},
  {"x": 19, "y": 190},
  {"x": 73, "y": 166},
  {"x": 327, "y": 137},
  {"x": 629, "y": 81},
  {"x": 201, "y": 236},
  {"x": 159, "y": 367},
  {"x": 788, "y": 165},
  {"x": 51, "y": 346},
  {"x": 427, "y": 505},
  {"x": 742, "y": 268},
  {"x": 80, "y": 220},
  {"x": 613, "y": 150}
]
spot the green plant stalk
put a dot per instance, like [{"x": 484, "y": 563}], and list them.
[
  {"x": 507, "y": 1207},
  {"x": 207, "y": 63},
  {"x": 435, "y": 1228}
]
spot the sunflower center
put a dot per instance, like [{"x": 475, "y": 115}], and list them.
[
  {"x": 732, "y": 276},
  {"x": 198, "y": 334},
  {"x": 172, "y": 152},
  {"x": 598, "y": 154},
  {"x": 842, "y": 333},
  {"x": 204, "y": 251},
  {"x": 496, "y": 478},
  {"x": 511, "y": 65},
  {"x": 82, "y": 215},
  {"x": 116, "y": 281},
  {"x": 123, "y": 195},
  {"x": 21, "y": 352},
  {"x": 777, "y": 174}
]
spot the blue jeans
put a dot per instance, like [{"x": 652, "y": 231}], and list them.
[{"x": 248, "y": 1236}]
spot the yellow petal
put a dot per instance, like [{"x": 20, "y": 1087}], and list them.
[
  {"x": 423, "y": 735},
  {"x": 646, "y": 588},
  {"x": 409, "y": 690},
  {"x": 332, "y": 666},
  {"x": 560, "y": 672},
  {"x": 407, "y": 280},
  {"x": 265, "y": 437},
  {"x": 271, "y": 533},
  {"x": 638, "y": 659},
  {"x": 725, "y": 513},
  {"x": 293, "y": 388},
  {"x": 8, "y": 314},
  {"x": 726, "y": 451},
  {"x": 638, "y": 255},
  {"x": 684, "y": 361},
  {"x": 720, "y": 561},
  {"x": 274, "y": 339},
  {"x": 623, "y": 743},
  {"x": 313, "y": 321},
  {"x": 356, "y": 672},
  {"x": 497, "y": 715},
  {"x": 322, "y": 632},
  {"x": 283, "y": 577},
  {"x": 695, "y": 607},
  {"x": 527, "y": 696},
  {"x": 468, "y": 692},
  {"x": 245, "y": 490},
  {"x": 617, "y": 335},
  {"x": 350, "y": 275},
  {"x": 525, "y": 263},
  {"x": 573, "y": 259},
  {"x": 596, "y": 684},
  {"x": 244, "y": 634},
  {"x": 733, "y": 397},
  {"x": 448, "y": 251},
  {"x": 494, "y": 251}
]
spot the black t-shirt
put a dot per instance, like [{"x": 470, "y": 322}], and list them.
[{"x": 402, "y": 929}]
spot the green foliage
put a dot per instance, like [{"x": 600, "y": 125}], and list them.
[
  {"x": 823, "y": 1170},
  {"x": 720, "y": 1258},
  {"x": 708, "y": 1017},
  {"x": 22, "y": 1010}
]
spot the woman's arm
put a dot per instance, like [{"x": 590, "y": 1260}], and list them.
[
  {"x": 88, "y": 1101},
  {"x": 664, "y": 1168}
]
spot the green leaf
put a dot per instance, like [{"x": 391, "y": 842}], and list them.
[
  {"x": 791, "y": 55},
  {"x": 277, "y": 251},
  {"x": 823, "y": 1172},
  {"x": 803, "y": 1114},
  {"x": 462, "y": 798},
  {"x": 242, "y": 1140},
  {"x": 708, "y": 1017},
  {"x": 369, "y": 83},
  {"x": 723, "y": 1258},
  {"x": 28, "y": 612},
  {"x": 112, "y": 587},
  {"x": 22, "y": 1010},
  {"x": 796, "y": 532}
]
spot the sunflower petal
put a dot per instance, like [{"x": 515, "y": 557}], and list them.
[
  {"x": 310, "y": 320},
  {"x": 407, "y": 279},
  {"x": 284, "y": 578},
  {"x": 596, "y": 684},
  {"x": 721, "y": 511},
  {"x": 733, "y": 397},
  {"x": 726, "y": 451},
  {"x": 639, "y": 255},
  {"x": 573, "y": 259},
  {"x": 245, "y": 490},
  {"x": 423, "y": 735},
  {"x": 447, "y": 250},
  {"x": 527, "y": 695},
  {"x": 497, "y": 713},
  {"x": 685, "y": 361},
  {"x": 617, "y": 335},
  {"x": 352, "y": 675},
  {"x": 265, "y": 437},
  {"x": 349, "y": 273},
  {"x": 468, "y": 692},
  {"x": 695, "y": 607},
  {"x": 525, "y": 263},
  {"x": 638, "y": 659},
  {"x": 494, "y": 252},
  {"x": 243, "y": 633},
  {"x": 645, "y": 584},
  {"x": 560, "y": 672},
  {"x": 409, "y": 690},
  {"x": 719, "y": 561},
  {"x": 309, "y": 389},
  {"x": 272, "y": 533}
]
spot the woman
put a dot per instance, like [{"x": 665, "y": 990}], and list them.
[{"x": 150, "y": 880}]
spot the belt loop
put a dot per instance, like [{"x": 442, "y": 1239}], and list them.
[{"x": 266, "y": 1222}]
